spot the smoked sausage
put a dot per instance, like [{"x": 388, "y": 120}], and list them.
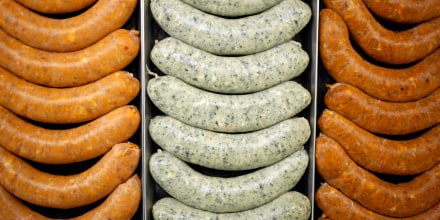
[
  {"x": 397, "y": 157},
  {"x": 64, "y": 192},
  {"x": 56, "y": 6},
  {"x": 382, "y": 117},
  {"x": 67, "y": 105},
  {"x": 62, "y": 146},
  {"x": 112, "y": 53},
  {"x": 406, "y": 12},
  {"x": 384, "y": 45},
  {"x": 396, "y": 200},
  {"x": 68, "y": 34},
  {"x": 344, "y": 64},
  {"x": 336, "y": 205}
]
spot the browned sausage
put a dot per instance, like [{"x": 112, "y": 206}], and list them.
[
  {"x": 384, "y": 45},
  {"x": 338, "y": 206},
  {"x": 69, "y": 34},
  {"x": 56, "y": 6},
  {"x": 406, "y": 12},
  {"x": 62, "y": 146},
  {"x": 382, "y": 117},
  {"x": 64, "y": 192},
  {"x": 398, "y": 157},
  {"x": 114, "y": 52},
  {"x": 344, "y": 64},
  {"x": 395, "y": 200},
  {"x": 67, "y": 105},
  {"x": 121, "y": 204}
]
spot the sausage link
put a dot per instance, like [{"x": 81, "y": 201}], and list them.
[
  {"x": 224, "y": 74},
  {"x": 56, "y": 6},
  {"x": 69, "y": 34},
  {"x": 241, "y": 36},
  {"x": 112, "y": 53},
  {"x": 67, "y": 105},
  {"x": 384, "y": 45},
  {"x": 222, "y": 151},
  {"x": 62, "y": 146},
  {"x": 229, "y": 194},
  {"x": 227, "y": 113},
  {"x": 64, "y": 192},
  {"x": 288, "y": 206},
  {"x": 336, "y": 205},
  {"x": 396, "y": 200},
  {"x": 405, "y": 12},
  {"x": 397, "y": 157},
  {"x": 344, "y": 64},
  {"x": 232, "y": 8},
  {"x": 382, "y": 117}
]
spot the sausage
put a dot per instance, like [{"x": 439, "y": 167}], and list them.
[
  {"x": 336, "y": 205},
  {"x": 382, "y": 117},
  {"x": 241, "y": 36},
  {"x": 226, "y": 194},
  {"x": 227, "y": 113},
  {"x": 233, "y": 8},
  {"x": 396, "y": 200},
  {"x": 112, "y": 53},
  {"x": 67, "y": 105},
  {"x": 385, "y": 45},
  {"x": 378, "y": 154},
  {"x": 71, "y": 191},
  {"x": 288, "y": 206},
  {"x": 344, "y": 64},
  {"x": 222, "y": 151},
  {"x": 67, "y": 145},
  {"x": 68, "y": 34},
  {"x": 406, "y": 12},
  {"x": 228, "y": 75},
  {"x": 121, "y": 204},
  {"x": 56, "y": 6}
]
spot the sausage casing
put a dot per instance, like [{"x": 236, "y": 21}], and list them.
[
  {"x": 56, "y": 6},
  {"x": 232, "y": 8}
]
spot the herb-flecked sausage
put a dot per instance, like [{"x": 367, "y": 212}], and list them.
[
  {"x": 288, "y": 206},
  {"x": 232, "y": 8},
  {"x": 223, "y": 74},
  {"x": 223, "y": 151},
  {"x": 385, "y": 45},
  {"x": 226, "y": 194},
  {"x": 112, "y": 53},
  {"x": 64, "y": 192},
  {"x": 382, "y": 117},
  {"x": 240, "y": 36},
  {"x": 227, "y": 113},
  {"x": 406, "y": 12},
  {"x": 67, "y": 105},
  {"x": 56, "y": 6},
  {"x": 344, "y": 64},
  {"x": 67, "y": 34},
  {"x": 378, "y": 154},
  {"x": 402, "y": 199},
  {"x": 67, "y": 145},
  {"x": 336, "y": 205}
]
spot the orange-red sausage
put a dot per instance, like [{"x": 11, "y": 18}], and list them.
[
  {"x": 382, "y": 117},
  {"x": 336, "y": 205},
  {"x": 406, "y": 12},
  {"x": 67, "y": 105},
  {"x": 121, "y": 204},
  {"x": 64, "y": 192},
  {"x": 68, "y": 34},
  {"x": 344, "y": 64},
  {"x": 384, "y": 45},
  {"x": 396, "y": 200},
  {"x": 62, "y": 146},
  {"x": 397, "y": 157},
  {"x": 112, "y": 53},
  {"x": 56, "y": 6}
]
